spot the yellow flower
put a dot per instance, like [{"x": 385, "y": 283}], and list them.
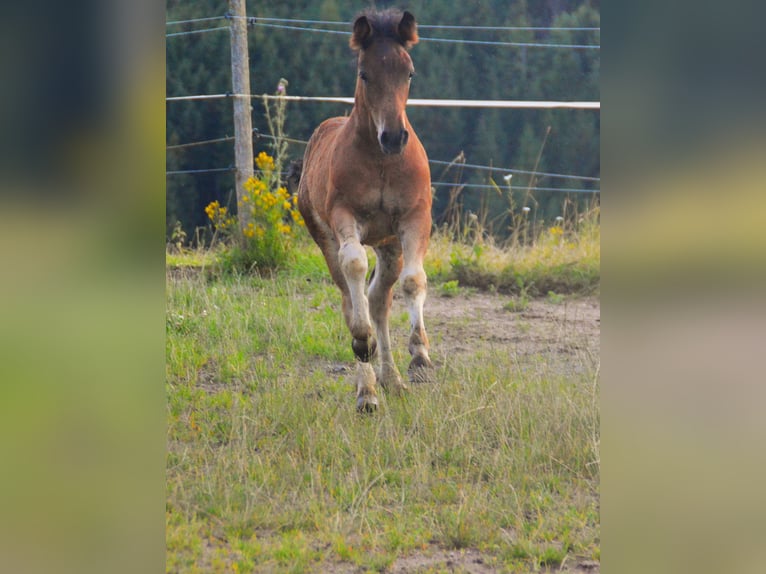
[
  {"x": 254, "y": 186},
  {"x": 555, "y": 230},
  {"x": 286, "y": 205},
  {"x": 264, "y": 162},
  {"x": 211, "y": 209}
]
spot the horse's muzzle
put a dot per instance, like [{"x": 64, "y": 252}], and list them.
[{"x": 393, "y": 142}]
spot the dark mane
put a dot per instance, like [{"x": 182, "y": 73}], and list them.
[{"x": 385, "y": 23}]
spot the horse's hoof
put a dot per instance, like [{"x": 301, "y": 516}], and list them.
[
  {"x": 367, "y": 405},
  {"x": 364, "y": 350},
  {"x": 388, "y": 378},
  {"x": 420, "y": 370}
]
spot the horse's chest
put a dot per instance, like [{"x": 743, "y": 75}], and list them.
[
  {"x": 377, "y": 210},
  {"x": 374, "y": 202}
]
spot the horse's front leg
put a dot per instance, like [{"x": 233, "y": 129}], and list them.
[
  {"x": 352, "y": 259},
  {"x": 387, "y": 268},
  {"x": 414, "y": 239}
]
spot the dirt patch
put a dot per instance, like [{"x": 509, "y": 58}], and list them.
[
  {"x": 566, "y": 332},
  {"x": 471, "y": 561},
  {"x": 558, "y": 337},
  {"x": 466, "y": 561}
]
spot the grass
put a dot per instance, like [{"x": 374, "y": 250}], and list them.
[
  {"x": 190, "y": 258},
  {"x": 561, "y": 261},
  {"x": 517, "y": 304},
  {"x": 269, "y": 467}
]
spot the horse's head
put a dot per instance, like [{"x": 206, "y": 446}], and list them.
[{"x": 385, "y": 70}]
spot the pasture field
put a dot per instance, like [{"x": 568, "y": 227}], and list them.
[{"x": 493, "y": 467}]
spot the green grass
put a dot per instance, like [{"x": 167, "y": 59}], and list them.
[
  {"x": 559, "y": 262},
  {"x": 269, "y": 467},
  {"x": 517, "y": 304},
  {"x": 195, "y": 258}
]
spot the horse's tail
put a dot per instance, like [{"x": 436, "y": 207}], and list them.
[{"x": 294, "y": 172}]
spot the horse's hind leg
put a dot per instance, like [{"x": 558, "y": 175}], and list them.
[
  {"x": 413, "y": 279},
  {"x": 387, "y": 269}
]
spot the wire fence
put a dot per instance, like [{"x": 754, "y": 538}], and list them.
[
  {"x": 521, "y": 188},
  {"x": 194, "y": 21},
  {"x": 417, "y": 102},
  {"x": 421, "y": 26},
  {"x": 296, "y": 24},
  {"x": 470, "y": 166},
  {"x": 190, "y": 32},
  {"x": 256, "y": 134},
  {"x": 433, "y": 183},
  {"x": 442, "y": 40},
  {"x": 302, "y": 25},
  {"x": 516, "y": 171},
  {"x": 189, "y": 171},
  {"x": 496, "y": 169}
]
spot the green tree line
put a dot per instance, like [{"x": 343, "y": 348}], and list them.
[{"x": 322, "y": 64}]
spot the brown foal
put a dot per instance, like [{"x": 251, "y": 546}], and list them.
[{"x": 366, "y": 181}]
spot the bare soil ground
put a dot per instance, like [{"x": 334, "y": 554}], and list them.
[
  {"x": 565, "y": 333},
  {"x": 467, "y": 561},
  {"x": 470, "y": 561}
]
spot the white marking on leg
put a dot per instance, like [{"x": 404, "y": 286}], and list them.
[
  {"x": 366, "y": 395},
  {"x": 414, "y": 284},
  {"x": 353, "y": 262}
]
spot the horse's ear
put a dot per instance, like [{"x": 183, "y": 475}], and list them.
[
  {"x": 362, "y": 34},
  {"x": 408, "y": 30}
]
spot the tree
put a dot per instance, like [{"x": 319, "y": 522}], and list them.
[{"x": 322, "y": 64}]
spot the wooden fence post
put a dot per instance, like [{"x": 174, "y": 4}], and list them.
[{"x": 240, "y": 84}]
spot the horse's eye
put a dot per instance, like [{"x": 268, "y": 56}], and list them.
[
  {"x": 412, "y": 75},
  {"x": 363, "y": 76}
]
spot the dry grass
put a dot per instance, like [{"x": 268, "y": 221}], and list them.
[
  {"x": 562, "y": 259},
  {"x": 270, "y": 469}
]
